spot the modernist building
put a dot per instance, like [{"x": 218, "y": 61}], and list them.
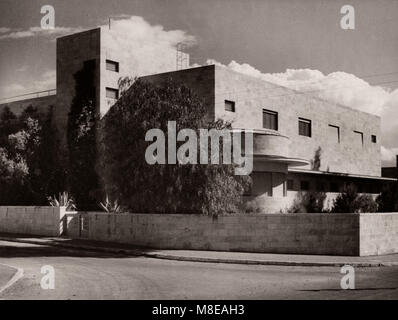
[{"x": 289, "y": 126}]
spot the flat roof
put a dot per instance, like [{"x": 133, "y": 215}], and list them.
[{"x": 338, "y": 174}]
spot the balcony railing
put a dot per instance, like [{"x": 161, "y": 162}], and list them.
[{"x": 27, "y": 96}]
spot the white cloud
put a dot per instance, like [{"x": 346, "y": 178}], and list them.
[
  {"x": 37, "y": 31},
  {"x": 46, "y": 81},
  {"x": 4, "y": 30},
  {"x": 148, "y": 48},
  {"x": 389, "y": 156}
]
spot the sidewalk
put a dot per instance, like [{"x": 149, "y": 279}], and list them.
[{"x": 209, "y": 256}]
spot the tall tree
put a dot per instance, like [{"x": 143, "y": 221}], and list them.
[{"x": 162, "y": 188}]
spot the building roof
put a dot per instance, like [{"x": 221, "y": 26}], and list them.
[{"x": 338, "y": 174}]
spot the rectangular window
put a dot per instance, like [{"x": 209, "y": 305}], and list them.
[
  {"x": 334, "y": 187},
  {"x": 374, "y": 139},
  {"x": 334, "y": 133},
  {"x": 304, "y": 127},
  {"x": 304, "y": 185},
  {"x": 290, "y": 185},
  {"x": 112, "y": 93},
  {"x": 320, "y": 186},
  {"x": 262, "y": 183},
  {"x": 270, "y": 119},
  {"x": 358, "y": 138},
  {"x": 229, "y": 106},
  {"x": 112, "y": 65}
]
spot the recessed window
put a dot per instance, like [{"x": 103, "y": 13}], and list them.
[
  {"x": 290, "y": 184},
  {"x": 358, "y": 138},
  {"x": 270, "y": 119},
  {"x": 334, "y": 133},
  {"x": 262, "y": 183},
  {"x": 229, "y": 106},
  {"x": 334, "y": 187},
  {"x": 304, "y": 185},
  {"x": 112, "y": 93},
  {"x": 374, "y": 139},
  {"x": 112, "y": 65},
  {"x": 304, "y": 127},
  {"x": 320, "y": 186}
]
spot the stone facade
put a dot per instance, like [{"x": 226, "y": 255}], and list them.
[
  {"x": 331, "y": 234},
  {"x": 41, "y": 221},
  {"x": 378, "y": 233}
]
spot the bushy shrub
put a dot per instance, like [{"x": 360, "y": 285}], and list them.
[
  {"x": 141, "y": 187},
  {"x": 349, "y": 201},
  {"x": 388, "y": 199},
  {"x": 29, "y": 166},
  {"x": 308, "y": 202}
]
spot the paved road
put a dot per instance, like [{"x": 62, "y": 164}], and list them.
[{"x": 92, "y": 275}]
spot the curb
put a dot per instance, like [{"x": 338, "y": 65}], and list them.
[{"x": 205, "y": 260}]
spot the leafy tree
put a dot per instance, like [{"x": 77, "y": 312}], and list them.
[
  {"x": 316, "y": 162},
  {"x": 388, "y": 199},
  {"x": 30, "y": 165},
  {"x": 81, "y": 139},
  {"x": 9, "y": 124},
  {"x": 16, "y": 156},
  {"x": 349, "y": 201},
  {"x": 309, "y": 202},
  {"x": 141, "y": 187}
]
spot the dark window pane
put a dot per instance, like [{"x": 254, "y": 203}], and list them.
[
  {"x": 290, "y": 184},
  {"x": 304, "y": 127},
  {"x": 374, "y": 139},
  {"x": 112, "y": 65},
  {"x": 304, "y": 185},
  {"x": 229, "y": 106},
  {"x": 320, "y": 186},
  {"x": 334, "y": 187},
  {"x": 270, "y": 120},
  {"x": 112, "y": 93}
]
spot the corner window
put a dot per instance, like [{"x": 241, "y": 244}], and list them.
[
  {"x": 112, "y": 93},
  {"x": 229, "y": 106},
  {"x": 270, "y": 119},
  {"x": 112, "y": 65},
  {"x": 374, "y": 139},
  {"x": 304, "y": 127}
]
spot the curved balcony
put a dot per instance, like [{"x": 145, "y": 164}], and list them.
[{"x": 272, "y": 146}]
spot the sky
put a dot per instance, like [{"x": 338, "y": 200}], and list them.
[{"x": 295, "y": 43}]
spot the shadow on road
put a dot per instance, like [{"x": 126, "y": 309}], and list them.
[{"x": 11, "y": 249}]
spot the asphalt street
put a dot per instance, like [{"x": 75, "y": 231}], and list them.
[{"x": 93, "y": 275}]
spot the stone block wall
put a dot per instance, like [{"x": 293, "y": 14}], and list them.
[
  {"x": 333, "y": 234},
  {"x": 41, "y": 221},
  {"x": 378, "y": 233}
]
